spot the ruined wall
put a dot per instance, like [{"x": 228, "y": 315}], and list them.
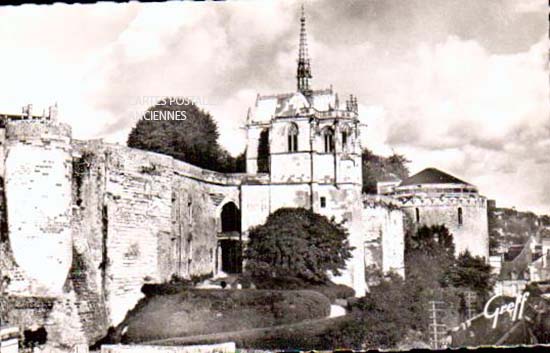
[
  {"x": 37, "y": 180},
  {"x": 148, "y": 217},
  {"x": 195, "y": 229},
  {"x": 472, "y": 234},
  {"x": 384, "y": 234},
  {"x": 137, "y": 212}
]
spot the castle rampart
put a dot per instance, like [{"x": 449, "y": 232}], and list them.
[{"x": 37, "y": 180}]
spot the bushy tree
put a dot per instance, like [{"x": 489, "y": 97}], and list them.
[
  {"x": 295, "y": 242},
  {"x": 380, "y": 319},
  {"x": 395, "y": 308},
  {"x": 471, "y": 272},
  {"x": 376, "y": 167},
  {"x": 193, "y": 138}
]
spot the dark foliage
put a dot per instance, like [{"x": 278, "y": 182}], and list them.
[
  {"x": 471, "y": 272},
  {"x": 380, "y": 319},
  {"x": 395, "y": 308},
  {"x": 376, "y": 167},
  {"x": 193, "y": 140},
  {"x": 295, "y": 242},
  {"x": 329, "y": 289}
]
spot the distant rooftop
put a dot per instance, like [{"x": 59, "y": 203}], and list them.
[{"x": 432, "y": 176}]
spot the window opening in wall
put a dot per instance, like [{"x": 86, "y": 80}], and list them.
[
  {"x": 417, "y": 215},
  {"x": 344, "y": 138},
  {"x": 346, "y": 133},
  {"x": 263, "y": 152},
  {"x": 323, "y": 202},
  {"x": 460, "y": 220},
  {"x": 328, "y": 135},
  {"x": 293, "y": 138}
]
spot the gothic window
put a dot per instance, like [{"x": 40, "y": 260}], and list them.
[
  {"x": 417, "y": 215},
  {"x": 345, "y": 137},
  {"x": 263, "y": 152},
  {"x": 328, "y": 137},
  {"x": 460, "y": 220},
  {"x": 293, "y": 138}
]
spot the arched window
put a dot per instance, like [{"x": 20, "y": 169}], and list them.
[
  {"x": 293, "y": 138},
  {"x": 417, "y": 215},
  {"x": 328, "y": 137},
  {"x": 345, "y": 137},
  {"x": 460, "y": 220}
]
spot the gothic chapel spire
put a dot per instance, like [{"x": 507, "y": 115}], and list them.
[{"x": 303, "y": 73}]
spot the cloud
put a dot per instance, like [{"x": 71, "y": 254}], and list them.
[{"x": 457, "y": 84}]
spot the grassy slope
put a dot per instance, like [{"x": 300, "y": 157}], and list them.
[{"x": 204, "y": 311}]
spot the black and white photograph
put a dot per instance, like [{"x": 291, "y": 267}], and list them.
[{"x": 274, "y": 176}]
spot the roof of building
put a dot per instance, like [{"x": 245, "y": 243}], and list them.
[
  {"x": 432, "y": 176},
  {"x": 290, "y": 104}
]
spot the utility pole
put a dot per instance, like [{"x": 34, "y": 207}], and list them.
[{"x": 437, "y": 329}]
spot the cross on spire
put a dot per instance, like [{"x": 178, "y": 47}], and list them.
[{"x": 303, "y": 73}]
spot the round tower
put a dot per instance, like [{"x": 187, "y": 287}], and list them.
[
  {"x": 433, "y": 197},
  {"x": 37, "y": 175}
]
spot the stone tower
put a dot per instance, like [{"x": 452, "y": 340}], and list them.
[
  {"x": 38, "y": 177},
  {"x": 308, "y": 143},
  {"x": 433, "y": 197}
]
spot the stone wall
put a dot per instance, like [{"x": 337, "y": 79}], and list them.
[
  {"x": 118, "y": 218},
  {"x": 137, "y": 213},
  {"x": 384, "y": 234},
  {"x": 146, "y": 217},
  {"x": 472, "y": 234}
]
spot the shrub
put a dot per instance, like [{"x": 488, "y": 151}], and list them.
[
  {"x": 329, "y": 289},
  {"x": 299, "y": 243},
  {"x": 334, "y": 291}
]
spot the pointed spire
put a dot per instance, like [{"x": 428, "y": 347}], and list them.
[{"x": 303, "y": 73}]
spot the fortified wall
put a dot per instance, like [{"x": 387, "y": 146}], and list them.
[{"x": 85, "y": 224}]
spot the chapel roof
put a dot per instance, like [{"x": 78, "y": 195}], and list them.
[{"x": 290, "y": 104}]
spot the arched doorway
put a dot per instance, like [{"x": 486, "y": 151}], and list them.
[
  {"x": 231, "y": 218},
  {"x": 229, "y": 243}
]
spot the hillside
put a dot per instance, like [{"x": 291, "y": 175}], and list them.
[{"x": 509, "y": 229}]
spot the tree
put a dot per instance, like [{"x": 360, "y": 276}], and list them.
[
  {"x": 432, "y": 240},
  {"x": 295, "y": 242},
  {"x": 193, "y": 138},
  {"x": 376, "y": 167},
  {"x": 471, "y": 272},
  {"x": 380, "y": 319}
]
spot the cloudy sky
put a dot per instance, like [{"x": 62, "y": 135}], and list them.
[{"x": 457, "y": 84}]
